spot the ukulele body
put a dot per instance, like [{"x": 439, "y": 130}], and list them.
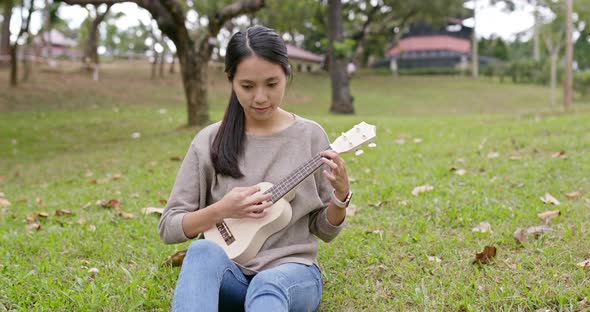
[{"x": 242, "y": 238}]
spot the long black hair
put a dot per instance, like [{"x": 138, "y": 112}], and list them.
[{"x": 228, "y": 143}]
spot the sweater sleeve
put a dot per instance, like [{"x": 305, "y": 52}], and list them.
[
  {"x": 184, "y": 198},
  {"x": 318, "y": 219}
]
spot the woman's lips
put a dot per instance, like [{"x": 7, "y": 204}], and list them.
[{"x": 261, "y": 109}]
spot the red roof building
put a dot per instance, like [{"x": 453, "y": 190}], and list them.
[
  {"x": 303, "y": 60},
  {"x": 423, "y": 46}
]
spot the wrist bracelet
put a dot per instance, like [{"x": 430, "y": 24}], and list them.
[{"x": 341, "y": 204}]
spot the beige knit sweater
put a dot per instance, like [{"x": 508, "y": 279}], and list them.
[{"x": 266, "y": 158}]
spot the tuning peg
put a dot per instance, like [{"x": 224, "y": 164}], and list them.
[
  {"x": 372, "y": 145},
  {"x": 359, "y": 152}
]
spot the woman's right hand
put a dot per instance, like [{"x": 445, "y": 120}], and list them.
[{"x": 245, "y": 202}]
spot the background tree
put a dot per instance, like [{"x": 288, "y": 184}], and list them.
[
  {"x": 96, "y": 15},
  {"x": 193, "y": 47},
  {"x": 27, "y": 9},
  {"x": 5, "y": 35},
  {"x": 582, "y": 48},
  {"x": 568, "y": 81},
  {"x": 337, "y": 56}
]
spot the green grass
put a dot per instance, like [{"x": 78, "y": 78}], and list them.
[{"x": 61, "y": 130}]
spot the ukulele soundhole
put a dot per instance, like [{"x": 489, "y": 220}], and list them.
[{"x": 227, "y": 236}]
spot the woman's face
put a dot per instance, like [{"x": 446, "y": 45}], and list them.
[{"x": 260, "y": 87}]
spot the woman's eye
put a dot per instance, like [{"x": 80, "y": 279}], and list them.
[
  {"x": 272, "y": 85},
  {"x": 247, "y": 87}
]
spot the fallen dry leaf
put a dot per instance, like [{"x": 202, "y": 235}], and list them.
[
  {"x": 516, "y": 157},
  {"x": 418, "y": 140},
  {"x": 559, "y": 155},
  {"x": 548, "y": 199},
  {"x": 93, "y": 271},
  {"x": 485, "y": 256},
  {"x": 584, "y": 264},
  {"x": 492, "y": 155},
  {"x": 421, "y": 189},
  {"x": 377, "y": 204},
  {"x": 521, "y": 235},
  {"x": 62, "y": 212},
  {"x": 548, "y": 215},
  {"x": 64, "y": 223},
  {"x": 350, "y": 210},
  {"x": 117, "y": 176},
  {"x": 434, "y": 259},
  {"x": 482, "y": 227},
  {"x": 81, "y": 221},
  {"x": 400, "y": 141},
  {"x": 4, "y": 203},
  {"x": 126, "y": 215},
  {"x": 154, "y": 210},
  {"x": 113, "y": 203},
  {"x": 43, "y": 214},
  {"x": 163, "y": 202},
  {"x": 31, "y": 219},
  {"x": 33, "y": 227},
  {"x": 573, "y": 195},
  {"x": 461, "y": 172},
  {"x": 176, "y": 259},
  {"x": 176, "y": 158}
]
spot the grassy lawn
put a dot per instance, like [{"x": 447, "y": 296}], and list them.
[{"x": 67, "y": 142}]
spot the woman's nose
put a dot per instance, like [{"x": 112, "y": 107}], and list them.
[{"x": 260, "y": 96}]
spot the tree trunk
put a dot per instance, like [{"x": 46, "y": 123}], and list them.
[
  {"x": 91, "y": 54},
  {"x": 13, "y": 65},
  {"x": 536, "y": 44},
  {"x": 474, "y": 50},
  {"x": 26, "y": 60},
  {"x": 91, "y": 59},
  {"x": 193, "y": 67},
  {"x": 569, "y": 57},
  {"x": 172, "y": 63},
  {"x": 162, "y": 61},
  {"x": 553, "y": 80},
  {"x": 5, "y": 36},
  {"x": 155, "y": 65},
  {"x": 359, "y": 51},
  {"x": 341, "y": 98},
  {"x": 47, "y": 27}
]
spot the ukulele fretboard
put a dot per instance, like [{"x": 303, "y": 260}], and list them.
[{"x": 294, "y": 178}]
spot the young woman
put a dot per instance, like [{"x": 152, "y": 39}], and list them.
[{"x": 257, "y": 141}]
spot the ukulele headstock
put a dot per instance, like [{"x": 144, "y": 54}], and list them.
[{"x": 359, "y": 135}]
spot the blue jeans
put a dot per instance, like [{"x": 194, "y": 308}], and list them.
[{"x": 210, "y": 281}]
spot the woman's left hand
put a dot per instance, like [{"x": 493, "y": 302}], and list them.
[{"x": 337, "y": 173}]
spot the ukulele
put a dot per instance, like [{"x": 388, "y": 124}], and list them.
[{"x": 242, "y": 238}]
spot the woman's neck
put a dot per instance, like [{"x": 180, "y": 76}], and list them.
[{"x": 281, "y": 120}]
